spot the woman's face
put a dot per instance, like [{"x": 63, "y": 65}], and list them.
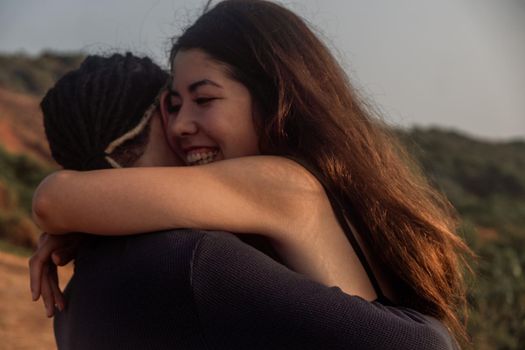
[{"x": 207, "y": 115}]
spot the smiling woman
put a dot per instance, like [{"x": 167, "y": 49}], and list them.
[
  {"x": 208, "y": 115},
  {"x": 340, "y": 202}
]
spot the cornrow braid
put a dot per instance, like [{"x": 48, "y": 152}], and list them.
[{"x": 98, "y": 115}]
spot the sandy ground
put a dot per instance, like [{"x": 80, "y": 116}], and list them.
[{"x": 23, "y": 323}]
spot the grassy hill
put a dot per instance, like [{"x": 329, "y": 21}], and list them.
[
  {"x": 484, "y": 180},
  {"x": 35, "y": 74},
  {"x": 19, "y": 176},
  {"x": 486, "y": 183}
]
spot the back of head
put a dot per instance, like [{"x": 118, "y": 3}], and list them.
[{"x": 91, "y": 107}]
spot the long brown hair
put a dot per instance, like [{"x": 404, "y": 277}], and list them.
[{"x": 311, "y": 111}]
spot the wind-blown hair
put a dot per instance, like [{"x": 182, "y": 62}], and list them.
[
  {"x": 97, "y": 116},
  {"x": 310, "y": 110}
]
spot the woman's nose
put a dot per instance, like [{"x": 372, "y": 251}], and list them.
[{"x": 184, "y": 124}]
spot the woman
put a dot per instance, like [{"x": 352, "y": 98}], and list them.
[{"x": 303, "y": 107}]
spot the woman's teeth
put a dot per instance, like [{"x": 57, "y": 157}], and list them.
[{"x": 199, "y": 158}]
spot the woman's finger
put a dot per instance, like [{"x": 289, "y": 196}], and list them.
[
  {"x": 36, "y": 263},
  {"x": 55, "y": 288},
  {"x": 62, "y": 257},
  {"x": 35, "y": 276},
  {"x": 47, "y": 294},
  {"x": 46, "y": 245}
]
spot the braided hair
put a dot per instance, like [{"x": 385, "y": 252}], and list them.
[{"x": 97, "y": 116}]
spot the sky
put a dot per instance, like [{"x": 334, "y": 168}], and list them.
[{"x": 448, "y": 63}]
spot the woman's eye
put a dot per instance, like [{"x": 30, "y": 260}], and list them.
[{"x": 203, "y": 100}]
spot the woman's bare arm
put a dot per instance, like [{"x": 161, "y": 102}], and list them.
[
  {"x": 251, "y": 194},
  {"x": 271, "y": 196}
]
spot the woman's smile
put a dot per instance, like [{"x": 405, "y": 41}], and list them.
[
  {"x": 208, "y": 116},
  {"x": 201, "y": 155}
]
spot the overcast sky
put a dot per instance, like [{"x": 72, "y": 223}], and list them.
[{"x": 451, "y": 63}]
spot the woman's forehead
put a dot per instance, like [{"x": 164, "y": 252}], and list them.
[
  {"x": 195, "y": 68},
  {"x": 192, "y": 61}
]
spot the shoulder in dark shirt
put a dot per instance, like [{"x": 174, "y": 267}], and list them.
[{"x": 199, "y": 290}]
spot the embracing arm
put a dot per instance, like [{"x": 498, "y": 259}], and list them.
[
  {"x": 252, "y": 194},
  {"x": 271, "y": 196}
]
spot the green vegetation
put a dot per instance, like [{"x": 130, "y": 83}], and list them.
[
  {"x": 22, "y": 174},
  {"x": 19, "y": 176},
  {"x": 34, "y": 75},
  {"x": 486, "y": 183}
]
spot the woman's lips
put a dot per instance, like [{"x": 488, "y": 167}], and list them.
[{"x": 200, "y": 155}]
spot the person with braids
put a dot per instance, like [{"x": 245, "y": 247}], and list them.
[
  {"x": 106, "y": 96},
  {"x": 254, "y": 90}
]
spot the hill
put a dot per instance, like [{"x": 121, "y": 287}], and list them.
[
  {"x": 33, "y": 75},
  {"x": 21, "y": 127},
  {"x": 484, "y": 180}
]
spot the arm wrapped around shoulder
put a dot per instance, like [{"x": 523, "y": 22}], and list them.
[{"x": 47, "y": 201}]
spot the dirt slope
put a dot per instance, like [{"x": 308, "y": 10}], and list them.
[
  {"x": 23, "y": 324},
  {"x": 21, "y": 127}
]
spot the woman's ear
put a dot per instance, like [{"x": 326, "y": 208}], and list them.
[{"x": 164, "y": 96}]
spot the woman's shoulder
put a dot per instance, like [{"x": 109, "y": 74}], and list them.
[{"x": 276, "y": 189}]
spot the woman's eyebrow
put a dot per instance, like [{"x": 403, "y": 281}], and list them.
[{"x": 194, "y": 86}]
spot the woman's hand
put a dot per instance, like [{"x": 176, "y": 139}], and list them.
[{"x": 52, "y": 251}]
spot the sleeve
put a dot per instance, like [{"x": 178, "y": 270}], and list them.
[{"x": 246, "y": 300}]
